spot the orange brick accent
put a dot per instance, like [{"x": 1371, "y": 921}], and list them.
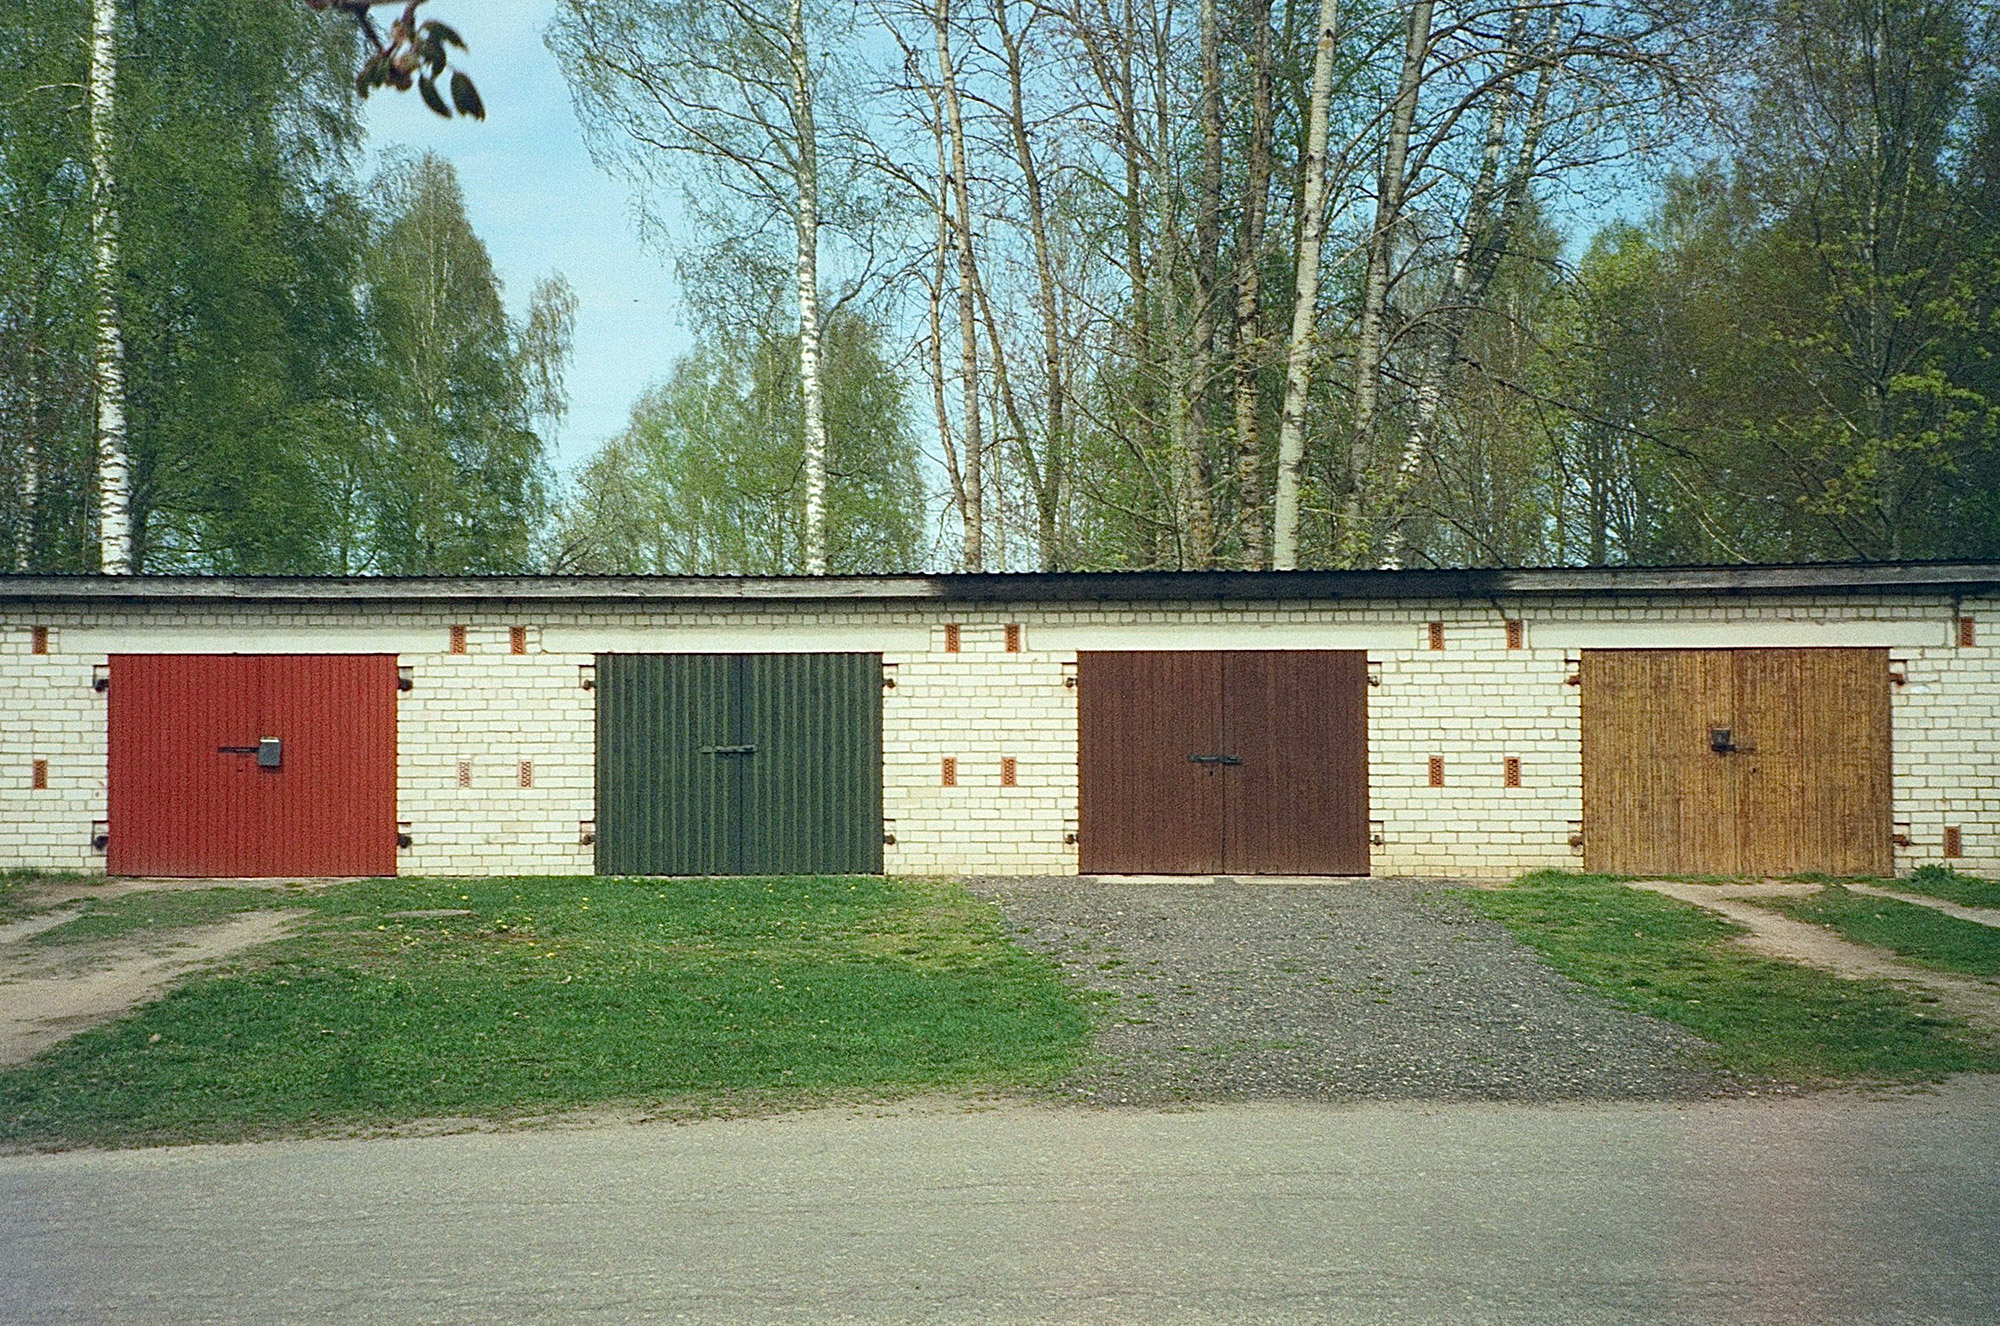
[
  {"x": 951, "y": 638},
  {"x": 1437, "y": 635},
  {"x": 458, "y": 639},
  {"x": 1510, "y": 771},
  {"x": 527, "y": 773},
  {"x": 1437, "y": 771},
  {"x": 38, "y": 640},
  {"x": 948, "y": 772},
  {"x": 1967, "y": 633},
  {"x": 1516, "y": 634},
  {"x": 1013, "y": 637},
  {"x": 38, "y": 775},
  {"x": 517, "y": 639},
  {"x": 1006, "y": 771},
  {"x": 1954, "y": 841},
  {"x": 465, "y": 773}
]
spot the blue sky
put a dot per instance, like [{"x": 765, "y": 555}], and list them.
[{"x": 541, "y": 206}]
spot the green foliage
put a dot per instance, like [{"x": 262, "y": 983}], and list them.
[
  {"x": 1796, "y": 357},
  {"x": 44, "y": 280},
  {"x": 708, "y": 477},
  {"x": 456, "y": 481},
  {"x": 1674, "y": 960},
  {"x": 555, "y": 994},
  {"x": 269, "y": 405}
]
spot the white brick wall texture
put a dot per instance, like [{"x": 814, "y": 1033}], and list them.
[{"x": 1474, "y": 703}]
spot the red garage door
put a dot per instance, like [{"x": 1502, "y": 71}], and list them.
[{"x": 248, "y": 765}]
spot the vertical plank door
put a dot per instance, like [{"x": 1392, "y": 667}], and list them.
[
  {"x": 1657, "y": 798},
  {"x": 1143, "y": 806},
  {"x": 188, "y": 796},
  {"x": 665, "y": 800},
  {"x": 1816, "y": 761},
  {"x": 329, "y": 808},
  {"x": 726, "y": 764},
  {"x": 178, "y": 806},
  {"x": 1298, "y": 802},
  {"x": 812, "y": 791},
  {"x": 1736, "y": 761}
]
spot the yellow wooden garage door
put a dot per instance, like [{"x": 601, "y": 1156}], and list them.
[{"x": 1736, "y": 761}]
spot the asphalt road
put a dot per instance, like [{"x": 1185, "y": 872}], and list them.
[{"x": 1829, "y": 1208}]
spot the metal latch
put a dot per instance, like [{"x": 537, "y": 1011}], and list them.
[
  {"x": 727, "y": 750},
  {"x": 1215, "y": 759},
  {"x": 270, "y": 752},
  {"x": 1721, "y": 740}
]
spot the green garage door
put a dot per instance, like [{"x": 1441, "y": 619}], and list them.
[{"x": 739, "y": 764}]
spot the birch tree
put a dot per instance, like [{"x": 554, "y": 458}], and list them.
[
  {"x": 1305, "y": 301},
  {"x": 723, "y": 97},
  {"x": 957, "y": 190},
  {"x": 114, "y": 462},
  {"x": 1249, "y": 341},
  {"x": 1381, "y": 248}
]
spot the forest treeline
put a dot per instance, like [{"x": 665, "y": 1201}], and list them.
[{"x": 1062, "y": 284}]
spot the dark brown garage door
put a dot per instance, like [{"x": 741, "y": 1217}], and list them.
[
  {"x": 240, "y": 765},
  {"x": 1239, "y": 762},
  {"x": 1736, "y": 761}
]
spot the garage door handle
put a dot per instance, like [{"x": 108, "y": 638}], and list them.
[
  {"x": 728, "y": 750},
  {"x": 1215, "y": 759},
  {"x": 235, "y": 750}
]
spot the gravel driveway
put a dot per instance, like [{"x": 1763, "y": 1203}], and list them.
[{"x": 1378, "y": 989}]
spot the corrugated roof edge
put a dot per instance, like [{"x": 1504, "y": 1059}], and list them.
[{"x": 1027, "y": 587}]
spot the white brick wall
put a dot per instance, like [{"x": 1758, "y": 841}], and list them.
[
  {"x": 1474, "y": 703},
  {"x": 495, "y": 709},
  {"x": 1947, "y": 746},
  {"x": 977, "y": 707},
  {"x": 48, "y": 711}
]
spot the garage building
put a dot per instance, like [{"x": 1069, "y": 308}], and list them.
[{"x": 1760, "y": 720}]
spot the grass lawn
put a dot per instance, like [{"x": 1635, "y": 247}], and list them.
[
  {"x": 1948, "y": 884},
  {"x": 1768, "y": 1018},
  {"x": 556, "y": 994},
  {"x": 1925, "y": 937}
]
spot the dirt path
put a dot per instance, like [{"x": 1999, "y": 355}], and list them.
[
  {"x": 1781, "y": 937},
  {"x": 49, "y": 994},
  {"x": 1987, "y": 916}
]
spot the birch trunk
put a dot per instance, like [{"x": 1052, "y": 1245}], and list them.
[
  {"x": 1482, "y": 245},
  {"x": 1047, "y": 476},
  {"x": 806, "y": 216},
  {"x": 1298, "y": 357},
  {"x": 1375, "y": 290},
  {"x": 972, "y": 509},
  {"x": 114, "y": 468},
  {"x": 1199, "y": 359},
  {"x": 1249, "y": 345},
  {"x": 1186, "y": 429},
  {"x": 31, "y": 483},
  {"x": 935, "y": 349}
]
